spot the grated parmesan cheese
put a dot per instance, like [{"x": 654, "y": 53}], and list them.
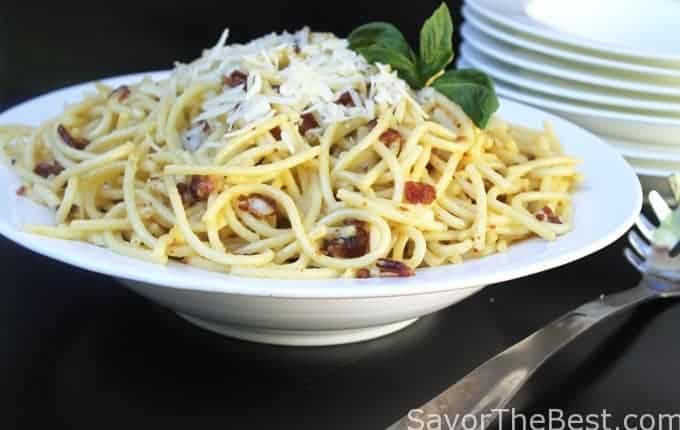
[{"x": 303, "y": 72}]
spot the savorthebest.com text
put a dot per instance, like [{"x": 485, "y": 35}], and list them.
[{"x": 555, "y": 419}]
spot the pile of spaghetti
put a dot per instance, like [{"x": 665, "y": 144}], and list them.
[{"x": 290, "y": 157}]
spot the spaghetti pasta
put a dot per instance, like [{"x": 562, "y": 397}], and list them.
[{"x": 290, "y": 156}]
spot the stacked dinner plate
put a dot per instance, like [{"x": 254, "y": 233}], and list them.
[{"x": 612, "y": 66}]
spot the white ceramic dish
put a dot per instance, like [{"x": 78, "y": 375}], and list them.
[
  {"x": 550, "y": 86},
  {"x": 644, "y": 151},
  {"x": 653, "y": 167},
  {"x": 528, "y": 60},
  {"x": 599, "y": 27},
  {"x": 343, "y": 310},
  {"x": 622, "y": 68},
  {"x": 629, "y": 126},
  {"x": 643, "y": 168}
]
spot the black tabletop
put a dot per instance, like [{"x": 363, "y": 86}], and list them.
[{"x": 81, "y": 351}]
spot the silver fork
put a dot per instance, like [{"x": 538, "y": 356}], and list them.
[{"x": 477, "y": 399}]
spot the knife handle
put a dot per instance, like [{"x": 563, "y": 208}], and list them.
[{"x": 479, "y": 396}]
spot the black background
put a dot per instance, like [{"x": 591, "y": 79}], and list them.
[
  {"x": 79, "y": 351},
  {"x": 59, "y": 43}
]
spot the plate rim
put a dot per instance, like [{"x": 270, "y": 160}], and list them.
[
  {"x": 568, "y": 74},
  {"x": 547, "y": 33},
  {"x": 430, "y": 281},
  {"x": 468, "y": 53},
  {"x": 479, "y": 23},
  {"x": 546, "y": 103},
  {"x": 633, "y": 149}
]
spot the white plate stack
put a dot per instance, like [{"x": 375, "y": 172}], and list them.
[{"x": 612, "y": 66}]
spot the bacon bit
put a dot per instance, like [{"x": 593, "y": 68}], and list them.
[
  {"x": 419, "y": 192},
  {"x": 21, "y": 190},
  {"x": 345, "y": 99},
  {"x": 258, "y": 205},
  {"x": 276, "y": 132},
  {"x": 549, "y": 215},
  {"x": 372, "y": 123},
  {"x": 282, "y": 222},
  {"x": 349, "y": 247},
  {"x": 243, "y": 203},
  {"x": 185, "y": 193},
  {"x": 235, "y": 79},
  {"x": 121, "y": 93},
  {"x": 308, "y": 122},
  {"x": 199, "y": 188},
  {"x": 546, "y": 210},
  {"x": 205, "y": 126},
  {"x": 46, "y": 169},
  {"x": 394, "y": 267},
  {"x": 390, "y": 136},
  {"x": 363, "y": 273},
  {"x": 74, "y": 142}
]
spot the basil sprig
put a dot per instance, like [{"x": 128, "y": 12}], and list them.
[{"x": 382, "y": 42}]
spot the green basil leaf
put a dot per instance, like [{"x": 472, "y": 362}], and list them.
[
  {"x": 436, "y": 43},
  {"x": 382, "y": 42},
  {"x": 405, "y": 68},
  {"x": 472, "y": 90},
  {"x": 382, "y": 34}
]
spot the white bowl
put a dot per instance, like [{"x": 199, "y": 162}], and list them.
[
  {"x": 576, "y": 72},
  {"x": 549, "y": 85},
  {"x": 601, "y": 27},
  {"x": 311, "y": 312},
  {"x": 630, "y": 126},
  {"x": 597, "y": 62}
]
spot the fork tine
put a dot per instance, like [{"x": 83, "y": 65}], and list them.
[
  {"x": 639, "y": 245},
  {"x": 674, "y": 181},
  {"x": 659, "y": 205},
  {"x": 634, "y": 260},
  {"x": 645, "y": 226}
]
